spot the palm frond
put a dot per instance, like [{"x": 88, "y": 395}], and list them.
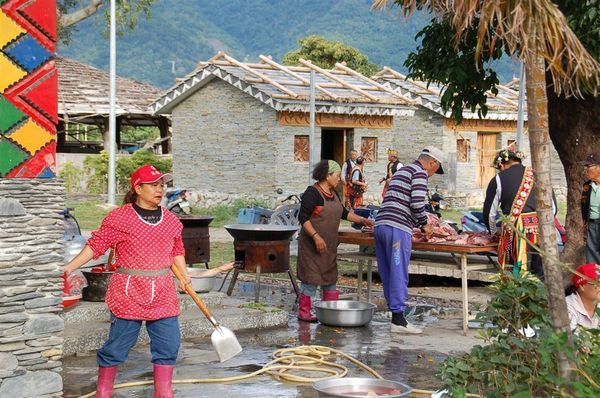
[{"x": 515, "y": 23}]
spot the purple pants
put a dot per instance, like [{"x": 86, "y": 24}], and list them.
[{"x": 393, "y": 247}]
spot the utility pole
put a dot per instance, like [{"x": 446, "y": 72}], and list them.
[
  {"x": 521, "y": 111},
  {"x": 112, "y": 121},
  {"x": 311, "y": 137}
]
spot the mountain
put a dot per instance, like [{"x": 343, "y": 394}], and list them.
[{"x": 188, "y": 31}]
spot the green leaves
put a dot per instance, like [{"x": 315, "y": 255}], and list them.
[
  {"x": 465, "y": 78},
  {"x": 325, "y": 53},
  {"x": 513, "y": 365}
]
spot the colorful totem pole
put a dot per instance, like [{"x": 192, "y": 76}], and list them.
[{"x": 28, "y": 89}]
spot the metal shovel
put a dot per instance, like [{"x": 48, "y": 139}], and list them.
[{"x": 224, "y": 341}]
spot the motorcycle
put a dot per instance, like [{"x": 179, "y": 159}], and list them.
[{"x": 177, "y": 201}]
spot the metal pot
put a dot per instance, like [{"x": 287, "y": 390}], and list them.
[
  {"x": 201, "y": 284},
  {"x": 262, "y": 232},
  {"x": 97, "y": 285},
  {"x": 358, "y": 387},
  {"x": 344, "y": 313}
]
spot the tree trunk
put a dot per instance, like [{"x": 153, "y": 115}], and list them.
[
  {"x": 573, "y": 124},
  {"x": 83, "y": 13},
  {"x": 539, "y": 139}
]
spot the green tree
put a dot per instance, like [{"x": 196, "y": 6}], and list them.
[
  {"x": 538, "y": 33},
  {"x": 326, "y": 53},
  {"x": 71, "y": 12},
  {"x": 468, "y": 75},
  {"x": 128, "y": 164}
]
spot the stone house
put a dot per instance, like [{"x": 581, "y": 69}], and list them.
[
  {"x": 472, "y": 144},
  {"x": 241, "y": 129}
]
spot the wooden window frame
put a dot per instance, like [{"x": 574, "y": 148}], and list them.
[
  {"x": 301, "y": 150},
  {"x": 371, "y": 155},
  {"x": 467, "y": 151}
]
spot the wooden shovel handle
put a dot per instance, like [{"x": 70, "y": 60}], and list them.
[{"x": 189, "y": 290}]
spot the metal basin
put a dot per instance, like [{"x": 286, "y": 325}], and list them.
[
  {"x": 200, "y": 284},
  {"x": 344, "y": 313},
  {"x": 261, "y": 232},
  {"x": 352, "y": 387}
]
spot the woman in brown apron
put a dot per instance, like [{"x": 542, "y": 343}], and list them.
[{"x": 320, "y": 213}]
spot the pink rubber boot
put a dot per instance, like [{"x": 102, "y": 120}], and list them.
[
  {"x": 331, "y": 295},
  {"x": 106, "y": 381},
  {"x": 304, "y": 309},
  {"x": 163, "y": 377}
]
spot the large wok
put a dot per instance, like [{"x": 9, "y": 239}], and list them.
[
  {"x": 195, "y": 221},
  {"x": 261, "y": 232}
]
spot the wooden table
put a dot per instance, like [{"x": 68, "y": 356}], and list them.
[{"x": 367, "y": 239}]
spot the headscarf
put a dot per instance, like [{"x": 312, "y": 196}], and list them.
[{"x": 334, "y": 167}]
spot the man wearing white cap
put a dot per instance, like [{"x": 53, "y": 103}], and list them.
[{"x": 403, "y": 208}]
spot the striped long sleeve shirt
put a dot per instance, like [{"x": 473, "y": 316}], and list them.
[{"x": 404, "y": 204}]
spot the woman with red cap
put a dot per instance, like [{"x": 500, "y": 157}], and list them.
[
  {"x": 583, "y": 303},
  {"x": 147, "y": 241}
]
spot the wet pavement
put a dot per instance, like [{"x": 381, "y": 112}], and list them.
[{"x": 411, "y": 359}]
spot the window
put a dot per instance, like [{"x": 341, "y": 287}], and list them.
[
  {"x": 368, "y": 149},
  {"x": 301, "y": 148},
  {"x": 463, "y": 148}
]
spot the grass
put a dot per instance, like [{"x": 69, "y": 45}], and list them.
[
  {"x": 88, "y": 213},
  {"x": 225, "y": 214},
  {"x": 261, "y": 307}
]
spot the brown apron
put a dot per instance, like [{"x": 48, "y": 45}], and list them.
[{"x": 321, "y": 268}]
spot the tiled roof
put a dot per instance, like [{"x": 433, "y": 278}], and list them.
[
  {"x": 287, "y": 88},
  {"x": 83, "y": 92},
  {"x": 503, "y": 106}
]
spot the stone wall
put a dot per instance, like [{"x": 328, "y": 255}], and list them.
[
  {"x": 229, "y": 145},
  {"x": 31, "y": 253}
]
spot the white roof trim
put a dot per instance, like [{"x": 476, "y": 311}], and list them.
[{"x": 193, "y": 83}]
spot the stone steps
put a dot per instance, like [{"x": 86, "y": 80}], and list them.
[{"x": 83, "y": 334}]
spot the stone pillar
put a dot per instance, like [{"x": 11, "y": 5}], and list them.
[{"x": 31, "y": 255}]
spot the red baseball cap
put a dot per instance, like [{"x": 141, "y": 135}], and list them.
[
  {"x": 592, "y": 271},
  {"x": 148, "y": 174}
]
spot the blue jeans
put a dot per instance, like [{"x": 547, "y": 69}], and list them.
[
  {"x": 311, "y": 290},
  {"x": 392, "y": 248},
  {"x": 164, "y": 341}
]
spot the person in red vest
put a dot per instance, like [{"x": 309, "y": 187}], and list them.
[{"x": 392, "y": 167}]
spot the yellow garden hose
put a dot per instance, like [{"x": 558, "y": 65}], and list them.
[{"x": 285, "y": 362}]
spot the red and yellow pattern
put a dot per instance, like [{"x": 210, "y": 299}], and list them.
[
  {"x": 523, "y": 230},
  {"x": 28, "y": 88}
]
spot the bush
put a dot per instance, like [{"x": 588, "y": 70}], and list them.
[
  {"x": 96, "y": 166},
  {"x": 513, "y": 365},
  {"x": 72, "y": 175},
  {"x": 127, "y": 165}
]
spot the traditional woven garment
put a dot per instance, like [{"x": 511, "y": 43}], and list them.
[{"x": 522, "y": 231}]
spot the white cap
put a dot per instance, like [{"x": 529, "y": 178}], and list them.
[{"x": 437, "y": 155}]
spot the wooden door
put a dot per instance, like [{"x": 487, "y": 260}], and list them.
[{"x": 486, "y": 150}]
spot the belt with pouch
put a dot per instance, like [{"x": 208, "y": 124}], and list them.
[{"x": 143, "y": 272}]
